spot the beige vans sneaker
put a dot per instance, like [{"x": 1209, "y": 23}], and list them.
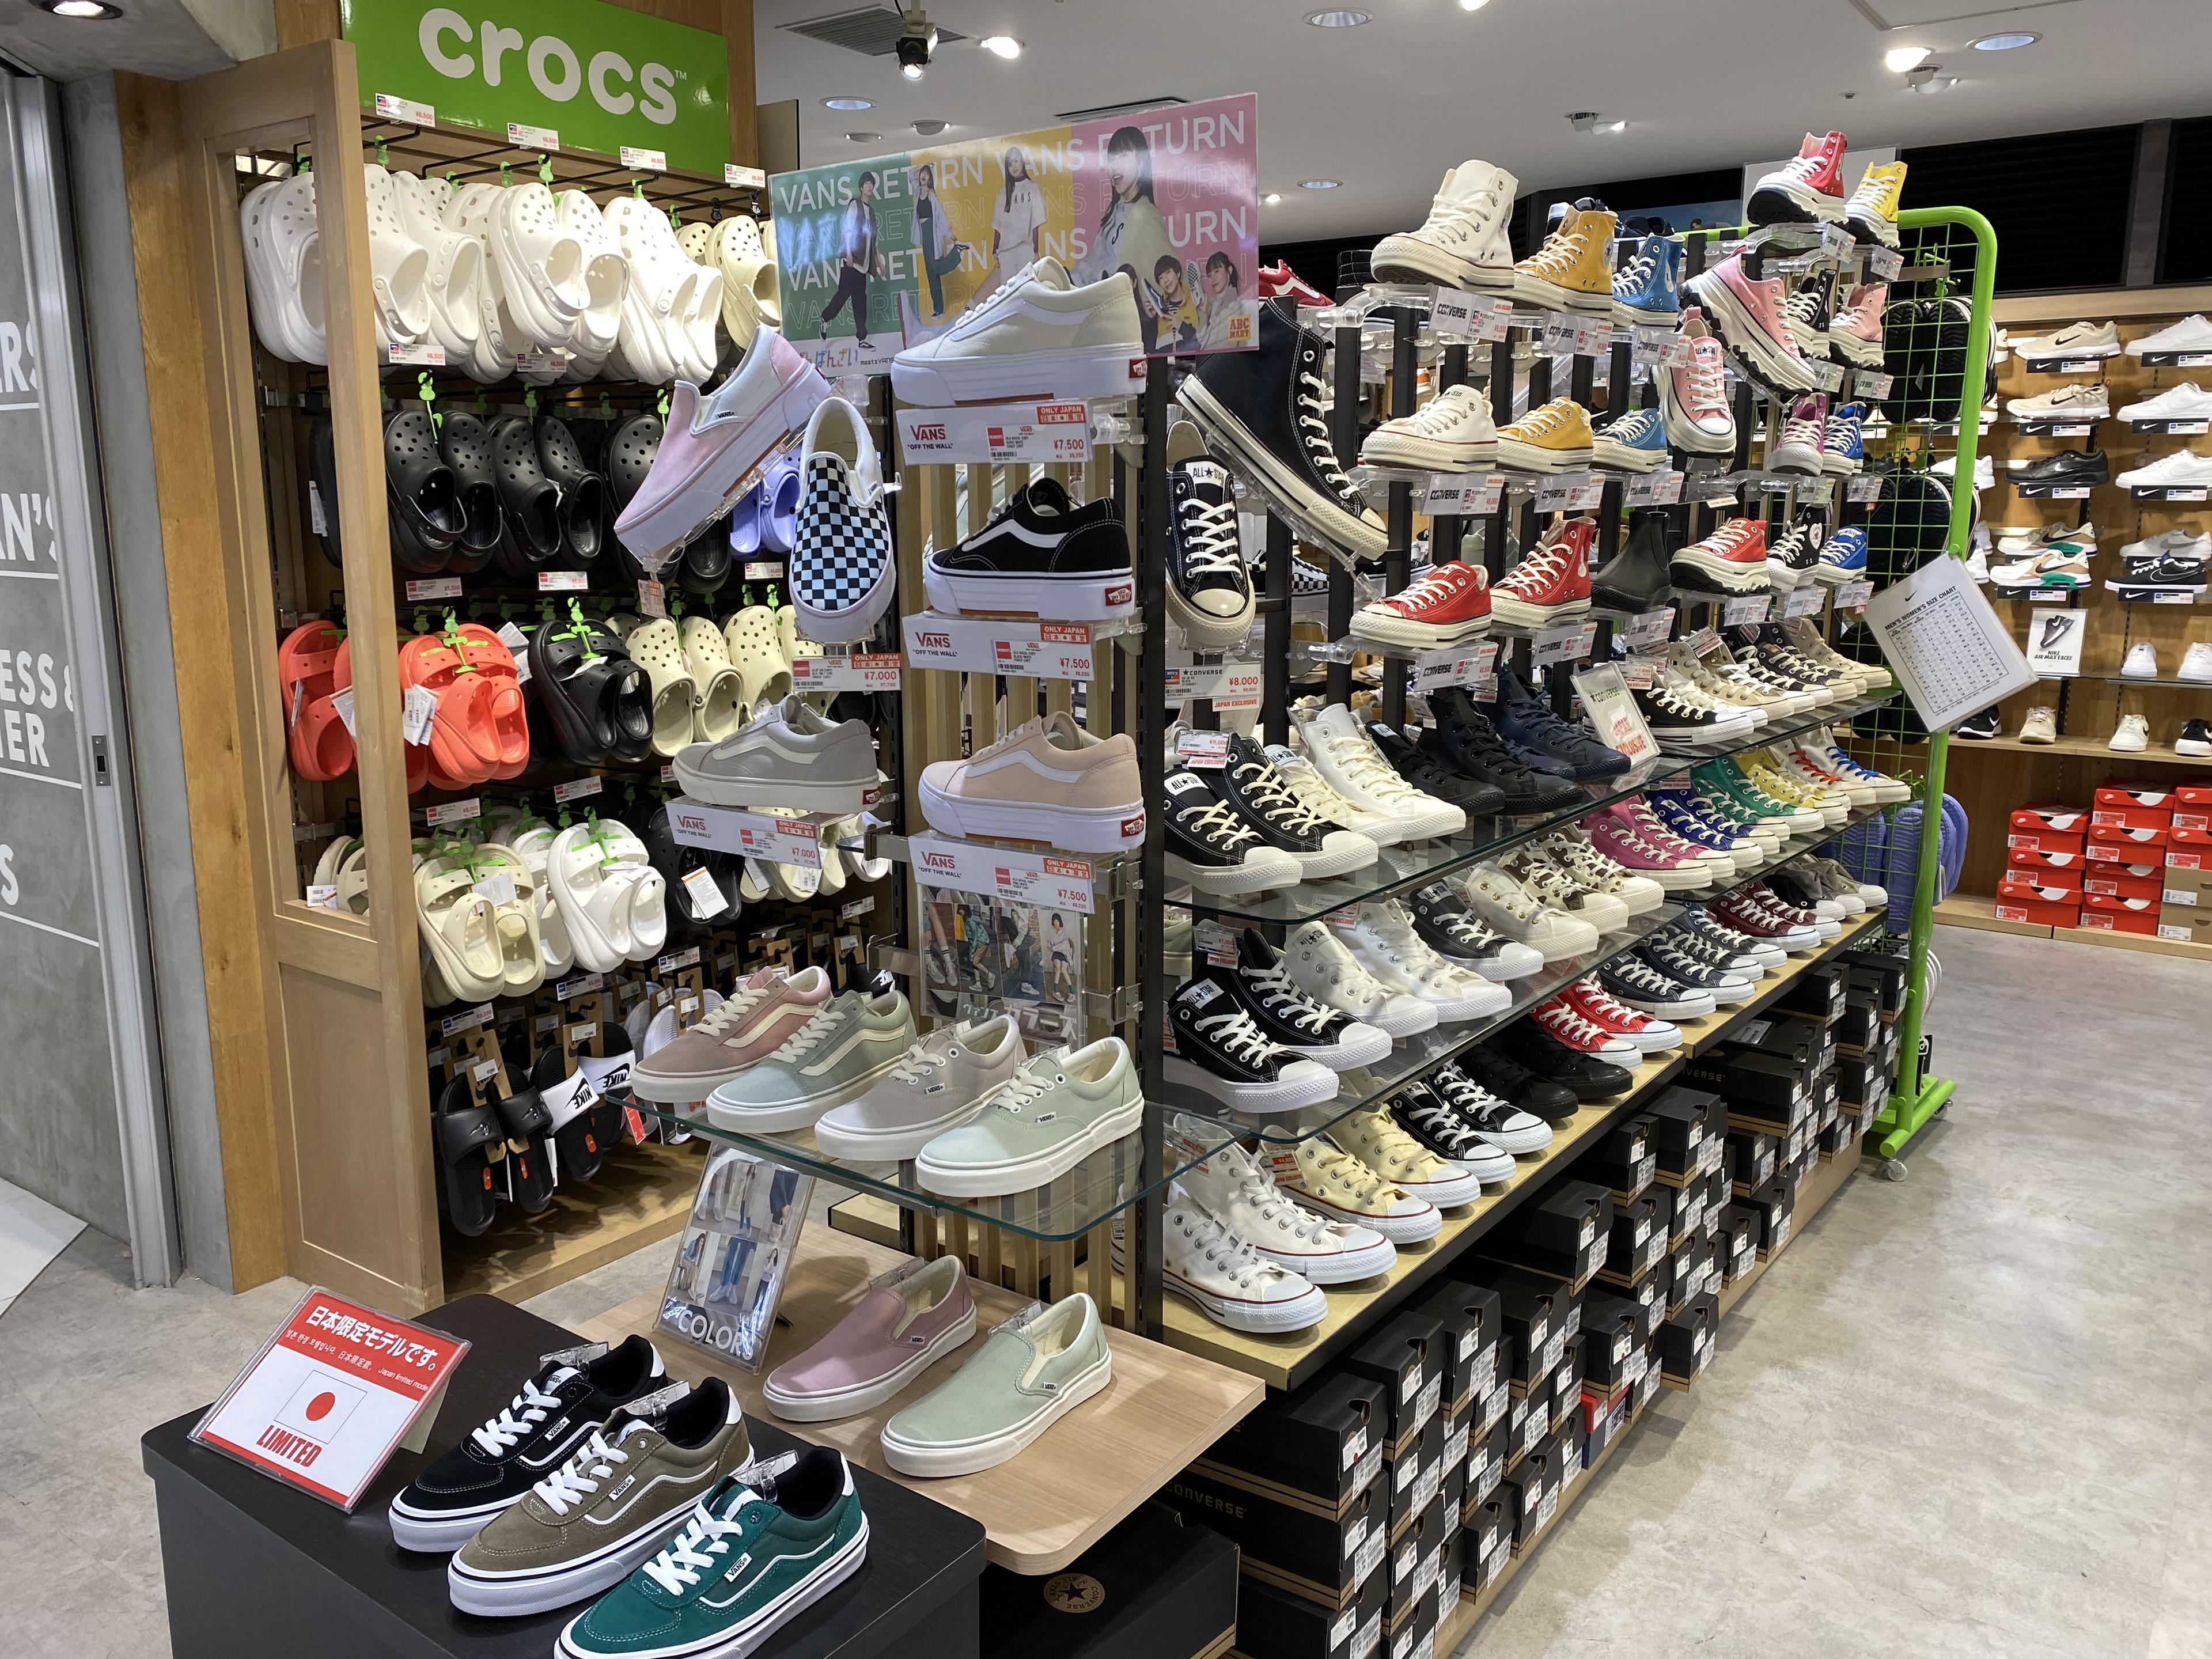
[{"x": 1047, "y": 780}]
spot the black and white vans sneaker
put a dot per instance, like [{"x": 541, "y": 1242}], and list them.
[
  {"x": 1634, "y": 981},
  {"x": 1214, "y": 847},
  {"x": 1446, "y": 926},
  {"x": 1434, "y": 1122},
  {"x": 1040, "y": 555},
  {"x": 1219, "y": 1048},
  {"x": 1682, "y": 963},
  {"x": 1267, "y": 411},
  {"x": 1249, "y": 782},
  {"x": 1292, "y": 1019},
  {"x": 455, "y": 1495},
  {"x": 1498, "y": 1121},
  {"x": 1209, "y": 585}
]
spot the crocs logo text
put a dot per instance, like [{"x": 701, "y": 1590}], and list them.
[{"x": 552, "y": 64}]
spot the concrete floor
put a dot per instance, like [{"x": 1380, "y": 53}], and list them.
[{"x": 1966, "y": 1414}]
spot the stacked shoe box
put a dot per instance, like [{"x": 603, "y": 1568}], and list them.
[
  {"x": 1540, "y": 1319},
  {"x": 1300, "y": 1487},
  {"x": 2130, "y": 832},
  {"x": 1689, "y": 1140},
  {"x": 1623, "y": 1310},
  {"x": 2044, "y": 853},
  {"x": 1867, "y": 1043},
  {"x": 1817, "y": 999},
  {"x": 1413, "y": 1358},
  {"x": 1472, "y": 1319},
  {"x": 2185, "y": 880}
]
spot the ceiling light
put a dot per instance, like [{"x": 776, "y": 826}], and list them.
[
  {"x": 1004, "y": 45},
  {"x": 1931, "y": 80},
  {"x": 1473, "y": 5},
  {"x": 2005, "y": 42},
  {"x": 911, "y": 71},
  {"x": 1614, "y": 126},
  {"x": 88, "y": 9},
  {"x": 849, "y": 103},
  {"x": 864, "y": 137},
  {"x": 1320, "y": 184},
  {"x": 1899, "y": 59},
  {"x": 929, "y": 129},
  {"x": 1338, "y": 19},
  {"x": 1272, "y": 197},
  {"x": 1588, "y": 120}
]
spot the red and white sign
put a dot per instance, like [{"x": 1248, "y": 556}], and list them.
[
  {"x": 990, "y": 645},
  {"x": 1053, "y": 881},
  {"x": 330, "y": 1397},
  {"x": 998, "y": 432}
]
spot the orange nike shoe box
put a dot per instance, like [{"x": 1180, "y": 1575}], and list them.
[
  {"x": 2041, "y": 907},
  {"x": 2120, "y": 915},
  {"x": 2125, "y": 881}
]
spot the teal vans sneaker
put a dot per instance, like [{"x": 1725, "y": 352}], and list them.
[
  {"x": 1059, "y": 1108},
  {"x": 1031, "y": 1371},
  {"x": 844, "y": 1047},
  {"x": 760, "y": 1548}
]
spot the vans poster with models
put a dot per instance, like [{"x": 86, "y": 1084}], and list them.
[{"x": 880, "y": 254}]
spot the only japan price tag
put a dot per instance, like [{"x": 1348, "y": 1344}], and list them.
[{"x": 332, "y": 1396}]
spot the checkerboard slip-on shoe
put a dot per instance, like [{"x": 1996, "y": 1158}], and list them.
[
  {"x": 317, "y": 740},
  {"x": 421, "y": 494},
  {"x": 841, "y": 570},
  {"x": 605, "y": 275},
  {"x": 471, "y": 1139},
  {"x": 455, "y": 271}
]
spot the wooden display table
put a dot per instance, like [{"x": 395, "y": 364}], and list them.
[
  {"x": 256, "y": 1570},
  {"x": 1039, "y": 1510}
]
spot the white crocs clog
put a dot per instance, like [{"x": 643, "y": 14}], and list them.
[
  {"x": 399, "y": 267},
  {"x": 541, "y": 266}
]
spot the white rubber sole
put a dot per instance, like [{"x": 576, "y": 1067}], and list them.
[
  {"x": 1504, "y": 970},
  {"x": 1070, "y": 829},
  {"x": 1263, "y": 868},
  {"x": 810, "y": 793},
  {"x": 1381, "y": 628},
  {"x": 1337, "y": 856},
  {"x": 1787, "y": 201},
  {"x": 1453, "y": 1192},
  {"x": 1206, "y": 631},
  {"x": 1728, "y": 577},
  {"x": 443, "y": 1534},
  {"x": 1088, "y": 598},
  {"x": 1021, "y": 1175},
  {"x": 1408, "y": 1022},
  {"x": 511, "y": 1595},
  {"x": 1236, "y": 1315},
  {"x": 751, "y": 1635},
  {"x": 1398, "y": 1229},
  {"x": 712, "y": 491},
  {"x": 1696, "y": 1009},
  {"x": 1406, "y": 258},
  {"x": 1552, "y": 297},
  {"x": 1628, "y": 314},
  {"x": 1568, "y": 946},
  {"x": 852, "y": 624},
  {"x": 1519, "y": 1143},
  {"x": 972, "y": 1457},
  {"x": 1058, "y": 375},
  {"x": 1618, "y": 457},
  {"x": 1833, "y": 465},
  {"x": 866, "y": 1396},
  {"x": 1860, "y": 353},
  {"x": 1347, "y": 1269},
  {"x": 1428, "y": 454},
  {"x": 1530, "y": 458},
  {"x": 892, "y": 1146},
  {"x": 798, "y": 1114},
  {"x": 1804, "y": 460},
  {"x": 1519, "y": 612},
  {"x": 1321, "y": 517},
  {"x": 1287, "y": 1093}
]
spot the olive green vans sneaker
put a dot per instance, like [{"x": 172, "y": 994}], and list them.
[
  {"x": 757, "y": 1550},
  {"x": 1031, "y": 1371},
  {"x": 590, "y": 1524}
]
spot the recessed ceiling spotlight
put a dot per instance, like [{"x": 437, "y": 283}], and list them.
[
  {"x": 1320, "y": 184},
  {"x": 864, "y": 137},
  {"x": 1338, "y": 19},
  {"x": 930, "y": 128},
  {"x": 1898, "y": 60},
  {"x": 2007, "y": 42},
  {"x": 1931, "y": 79},
  {"x": 1588, "y": 120},
  {"x": 1001, "y": 45},
  {"x": 849, "y": 103},
  {"x": 1473, "y": 5},
  {"x": 86, "y": 10},
  {"x": 1272, "y": 197}
]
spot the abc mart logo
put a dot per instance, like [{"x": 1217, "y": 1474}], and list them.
[{"x": 615, "y": 85}]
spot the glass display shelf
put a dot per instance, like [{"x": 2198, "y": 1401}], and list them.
[
  {"x": 1068, "y": 1206},
  {"x": 1417, "y": 1056},
  {"x": 1402, "y": 869}
]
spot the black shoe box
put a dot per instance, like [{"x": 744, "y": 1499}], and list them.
[
  {"x": 1735, "y": 1241},
  {"x": 1409, "y": 1356},
  {"x": 1677, "y": 1134},
  {"x": 1323, "y": 1559},
  {"x": 1417, "y": 1555},
  {"x": 1624, "y": 1161},
  {"x": 1604, "y": 1416},
  {"x": 1532, "y": 1492},
  {"x": 1686, "y": 1341},
  {"x": 1566, "y": 1449},
  {"x": 1613, "y": 1329},
  {"x": 1639, "y": 1238},
  {"x": 1532, "y": 1310},
  {"x": 1273, "y": 1624},
  {"x": 1567, "y": 1378},
  {"x": 1817, "y": 992},
  {"x": 1317, "y": 1447},
  {"x": 1774, "y": 1206},
  {"x": 1415, "y": 1633},
  {"x": 1879, "y": 973},
  {"x": 1152, "y": 1588},
  {"x": 1753, "y": 1155},
  {"x": 1859, "y": 1079},
  {"x": 1561, "y": 1235},
  {"x": 1487, "y": 1453},
  {"x": 1806, "y": 1044},
  {"x": 1692, "y": 1274},
  {"x": 1486, "y": 1544},
  {"x": 1859, "y": 1028},
  {"x": 1469, "y": 1316},
  {"x": 1414, "y": 1474},
  {"x": 1527, "y": 1423}
]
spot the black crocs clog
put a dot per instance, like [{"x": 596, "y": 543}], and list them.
[
  {"x": 583, "y": 492},
  {"x": 465, "y": 445},
  {"x": 531, "y": 501},
  {"x": 424, "y": 497}
]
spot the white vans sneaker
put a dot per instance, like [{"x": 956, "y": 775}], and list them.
[
  {"x": 1322, "y": 967},
  {"x": 1231, "y": 1184},
  {"x": 1384, "y": 943},
  {"x": 1037, "y": 336}
]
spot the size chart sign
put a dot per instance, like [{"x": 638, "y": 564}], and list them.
[
  {"x": 997, "y": 432},
  {"x": 330, "y": 1397}
]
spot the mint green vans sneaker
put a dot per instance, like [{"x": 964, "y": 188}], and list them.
[
  {"x": 762, "y": 1547},
  {"x": 1059, "y": 1108},
  {"x": 1031, "y": 1371},
  {"x": 844, "y": 1047}
]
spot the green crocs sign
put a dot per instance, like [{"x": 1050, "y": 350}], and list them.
[{"x": 598, "y": 76}]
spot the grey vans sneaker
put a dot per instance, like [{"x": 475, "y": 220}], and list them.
[{"x": 790, "y": 757}]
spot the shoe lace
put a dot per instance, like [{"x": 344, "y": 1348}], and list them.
[
  {"x": 1634, "y": 276},
  {"x": 1462, "y": 928},
  {"x": 1018, "y": 1094},
  {"x": 1499, "y": 887},
  {"x": 1438, "y": 587},
  {"x": 1367, "y": 769},
  {"x": 1340, "y": 1168},
  {"x": 1313, "y": 430},
  {"x": 578, "y": 1478},
  {"x": 734, "y": 1010},
  {"x": 1437, "y": 1118},
  {"x": 519, "y": 1419},
  {"x": 810, "y": 1035},
  {"x": 1708, "y": 381},
  {"x": 1238, "y": 1034},
  {"x": 679, "y": 1565},
  {"x": 1470, "y": 1099},
  {"x": 1641, "y": 975},
  {"x": 1540, "y": 421},
  {"x": 1562, "y": 251},
  {"x": 1280, "y": 998},
  {"x": 1541, "y": 568},
  {"x": 1234, "y": 1258},
  {"x": 1210, "y": 542},
  {"x": 1257, "y": 1188},
  {"x": 1268, "y": 791},
  {"x": 1595, "y": 997},
  {"x": 1219, "y": 824},
  {"x": 1561, "y": 1019},
  {"x": 917, "y": 1064},
  {"x": 1455, "y": 213}
]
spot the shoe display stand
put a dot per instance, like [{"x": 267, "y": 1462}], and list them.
[
  {"x": 319, "y": 1580},
  {"x": 355, "y": 1052},
  {"x": 1992, "y": 776}
]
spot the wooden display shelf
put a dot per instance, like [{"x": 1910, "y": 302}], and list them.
[
  {"x": 1979, "y": 910},
  {"x": 1039, "y": 1510},
  {"x": 2147, "y": 943},
  {"x": 1286, "y": 1359},
  {"x": 641, "y": 1195},
  {"x": 2081, "y": 749},
  {"x": 1821, "y": 1185}
]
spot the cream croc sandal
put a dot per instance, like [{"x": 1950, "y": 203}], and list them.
[
  {"x": 326, "y": 867},
  {"x": 458, "y": 922},
  {"x": 645, "y": 913},
  {"x": 498, "y": 342},
  {"x": 399, "y": 267},
  {"x": 436, "y": 994},
  {"x": 541, "y": 264},
  {"x": 750, "y": 637},
  {"x": 515, "y": 922},
  {"x": 290, "y": 239},
  {"x": 455, "y": 279},
  {"x": 752, "y": 885},
  {"x": 717, "y": 689},
  {"x": 588, "y": 867},
  {"x": 533, "y": 844},
  {"x": 658, "y": 648},
  {"x": 607, "y": 279},
  {"x": 353, "y": 880},
  {"x": 795, "y": 646}
]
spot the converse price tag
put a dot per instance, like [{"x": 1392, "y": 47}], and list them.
[
  {"x": 1748, "y": 608},
  {"x": 1805, "y": 599},
  {"x": 1659, "y": 489},
  {"x": 1563, "y": 641}
]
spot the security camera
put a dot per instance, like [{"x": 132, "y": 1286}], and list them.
[{"x": 915, "y": 44}]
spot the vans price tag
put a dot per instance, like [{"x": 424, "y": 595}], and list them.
[
  {"x": 998, "y": 432},
  {"x": 864, "y": 671},
  {"x": 756, "y": 835},
  {"x": 1052, "y": 880},
  {"x": 980, "y": 645}
]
